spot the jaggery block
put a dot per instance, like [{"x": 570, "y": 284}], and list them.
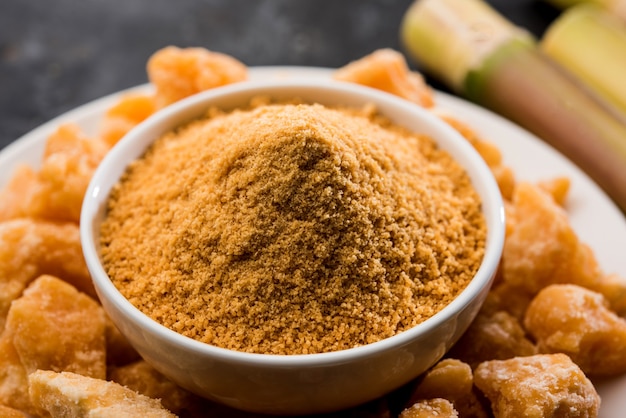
[
  {"x": 542, "y": 248},
  {"x": 180, "y": 72},
  {"x": 453, "y": 380},
  {"x": 69, "y": 161},
  {"x": 506, "y": 297},
  {"x": 55, "y": 191},
  {"x": 7, "y": 412},
  {"x": 578, "y": 322},
  {"x": 492, "y": 336},
  {"x": 16, "y": 194},
  {"x": 13, "y": 377},
  {"x": 70, "y": 395},
  {"x": 55, "y": 327},
  {"x": 30, "y": 248},
  {"x": 557, "y": 187},
  {"x": 430, "y": 408},
  {"x": 387, "y": 70},
  {"x": 145, "y": 379},
  {"x": 125, "y": 115},
  {"x": 539, "y": 386},
  {"x": 505, "y": 177},
  {"x": 613, "y": 288},
  {"x": 449, "y": 379}
]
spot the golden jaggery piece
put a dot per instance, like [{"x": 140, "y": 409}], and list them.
[
  {"x": 13, "y": 377},
  {"x": 453, "y": 380},
  {"x": 145, "y": 379},
  {"x": 125, "y": 115},
  {"x": 557, "y": 187},
  {"x": 180, "y": 72},
  {"x": 509, "y": 222},
  {"x": 449, "y": 379},
  {"x": 578, "y": 322},
  {"x": 70, "y": 395},
  {"x": 69, "y": 161},
  {"x": 505, "y": 179},
  {"x": 539, "y": 386},
  {"x": 506, "y": 297},
  {"x": 489, "y": 152},
  {"x": 430, "y": 408},
  {"x": 542, "y": 248},
  {"x": 56, "y": 190},
  {"x": 613, "y": 288},
  {"x": 119, "y": 350},
  {"x": 386, "y": 69},
  {"x": 497, "y": 335},
  {"x": 30, "y": 248},
  {"x": 14, "y": 197},
  {"x": 55, "y": 327},
  {"x": 7, "y": 412}
]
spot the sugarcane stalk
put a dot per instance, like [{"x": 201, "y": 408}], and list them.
[
  {"x": 591, "y": 44},
  {"x": 513, "y": 78}
]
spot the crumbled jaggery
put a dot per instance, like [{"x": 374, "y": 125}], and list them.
[{"x": 292, "y": 229}]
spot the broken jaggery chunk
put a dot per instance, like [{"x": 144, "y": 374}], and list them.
[
  {"x": 55, "y": 191},
  {"x": 613, "y": 288},
  {"x": 180, "y": 72},
  {"x": 71, "y": 395},
  {"x": 145, "y": 379},
  {"x": 557, "y": 187},
  {"x": 387, "y": 70},
  {"x": 7, "y": 412},
  {"x": 493, "y": 336},
  {"x": 577, "y": 321},
  {"x": 16, "y": 194},
  {"x": 509, "y": 298},
  {"x": 539, "y": 386},
  {"x": 69, "y": 161},
  {"x": 13, "y": 377},
  {"x": 542, "y": 248},
  {"x": 30, "y": 248},
  {"x": 430, "y": 408},
  {"x": 453, "y": 380},
  {"x": 449, "y": 379},
  {"x": 118, "y": 120},
  {"x": 55, "y": 327}
]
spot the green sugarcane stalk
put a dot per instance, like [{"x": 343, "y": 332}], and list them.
[
  {"x": 591, "y": 44},
  {"x": 468, "y": 45}
]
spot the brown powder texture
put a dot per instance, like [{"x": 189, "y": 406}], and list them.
[{"x": 292, "y": 229}]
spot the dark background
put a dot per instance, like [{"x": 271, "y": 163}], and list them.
[{"x": 56, "y": 55}]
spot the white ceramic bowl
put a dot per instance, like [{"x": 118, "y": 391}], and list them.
[{"x": 293, "y": 384}]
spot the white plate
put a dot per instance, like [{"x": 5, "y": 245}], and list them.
[{"x": 596, "y": 219}]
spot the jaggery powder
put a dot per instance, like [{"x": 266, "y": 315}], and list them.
[{"x": 292, "y": 229}]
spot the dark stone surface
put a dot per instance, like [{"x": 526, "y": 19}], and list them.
[{"x": 57, "y": 55}]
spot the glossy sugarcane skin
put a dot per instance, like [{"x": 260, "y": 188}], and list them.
[{"x": 521, "y": 84}]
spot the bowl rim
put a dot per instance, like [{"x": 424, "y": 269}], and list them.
[{"x": 493, "y": 210}]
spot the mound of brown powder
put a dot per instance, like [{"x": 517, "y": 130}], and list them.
[{"x": 292, "y": 229}]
